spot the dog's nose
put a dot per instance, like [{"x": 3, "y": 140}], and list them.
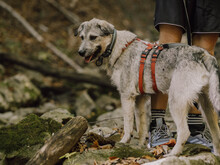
[{"x": 82, "y": 53}]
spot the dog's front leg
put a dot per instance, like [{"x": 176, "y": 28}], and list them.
[{"x": 128, "y": 105}]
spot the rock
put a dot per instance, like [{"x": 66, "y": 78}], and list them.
[
  {"x": 88, "y": 157},
  {"x": 199, "y": 159},
  {"x": 193, "y": 149},
  {"x": 127, "y": 150},
  {"x": 19, "y": 142},
  {"x": 107, "y": 103},
  {"x": 192, "y": 154},
  {"x": 11, "y": 118},
  {"x": 103, "y": 131},
  {"x": 17, "y": 91},
  {"x": 35, "y": 77},
  {"x": 4, "y": 117},
  {"x": 84, "y": 105},
  {"x": 60, "y": 115},
  {"x": 107, "y": 133},
  {"x": 100, "y": 156},
  {"x": 111, "y": 119}
]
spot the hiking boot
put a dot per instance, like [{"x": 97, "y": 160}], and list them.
[
  {"x": 204, "y": 137},
  {"x": 160, "y": 134}
]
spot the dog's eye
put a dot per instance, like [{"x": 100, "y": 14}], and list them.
[
  {"x": 82, "y": 37},
  {"x": 92, "y": 37}
]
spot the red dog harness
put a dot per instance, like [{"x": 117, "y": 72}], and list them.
[
  {"x": 144, "y": 55},
  {"x": 141, "y": 68},
  {"x": 153, "y": 62}
]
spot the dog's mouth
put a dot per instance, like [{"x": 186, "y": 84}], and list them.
[{"x": 93, "y": 56}]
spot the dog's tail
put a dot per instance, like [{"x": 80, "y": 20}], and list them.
[{"x": 214, "y": 81}]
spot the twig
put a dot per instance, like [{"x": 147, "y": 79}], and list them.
[
  {"x": 39, "y": 38},
  {"x": 69, "y": 15}
]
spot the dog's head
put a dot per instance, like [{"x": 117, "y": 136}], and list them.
[{"x": 96, "y": 36}]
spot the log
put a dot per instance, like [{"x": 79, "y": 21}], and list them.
[
  {"x": 56, "y": 72},
  {"x": 60, "y": 143},
  {"x": 40, "y": 38}
]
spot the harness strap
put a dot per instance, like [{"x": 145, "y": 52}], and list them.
[
  {"x": 153, "y": 63},
  {"x": 141, "y": 68}
]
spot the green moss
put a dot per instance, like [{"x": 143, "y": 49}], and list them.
[
  {"x": 125, "y": 151},
  {"x": 200, "y": 162},
  {"x": 193, "y": 149},
  {"x": 30, "y": 131},
  {"x": 33, "y": 92}
]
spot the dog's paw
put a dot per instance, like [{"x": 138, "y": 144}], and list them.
[
  {"x": 173, "y": 153},
  {"x": 217, "y": 154}
]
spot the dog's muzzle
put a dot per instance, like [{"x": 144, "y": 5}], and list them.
[
  {"x": 82, "y": 53},
  {"x": 93, "y": 56}
]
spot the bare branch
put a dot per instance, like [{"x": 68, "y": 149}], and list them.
[
  {"x": 69, "y": 15},
  {"x": 39, "y": 38}
]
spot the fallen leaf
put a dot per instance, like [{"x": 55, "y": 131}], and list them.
[
  {"x": 171, "y": 143},
  {"x": 107, "y": 146},
  {"x": 113, "y": 158},
  {"x": 149, "y": 157},
  {"x": 95, "y": 144},
  {"x": 95, "y": 163},
  {"x": 158, "y": 150}
]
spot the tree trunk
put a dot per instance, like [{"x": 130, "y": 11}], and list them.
[{"x": 60, "y": 143}]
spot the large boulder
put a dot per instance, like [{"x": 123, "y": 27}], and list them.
[
  {"x": 60, "y": 115},
  {"x": 112, "y": 119},
  {"x": 107, "y": 103},
  {"x": 84, "y": 105},
  {"x": 20, "y": 142},
  {"x": 17, "y": 91}
]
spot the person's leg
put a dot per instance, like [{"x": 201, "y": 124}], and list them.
[
  {"x": 206, "y": 41},
  {"x": 170, "y": 33}
]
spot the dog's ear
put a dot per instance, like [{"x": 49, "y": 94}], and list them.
[
  {"x": 105, "y": 27},
  {"x": 79, "y": 29}
]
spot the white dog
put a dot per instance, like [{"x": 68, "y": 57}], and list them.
[{"x": 185, "y": 73}]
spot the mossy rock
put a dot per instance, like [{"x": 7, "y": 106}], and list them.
[
  {"x": 88, "y": 157},
  {"x": 25, "y": 138},
  {"x": 193, "y": 149},
  {"x": 125, "y": 150},
  {"x": 102, "y": 155},
  {"x": 18, "y": 91}
]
